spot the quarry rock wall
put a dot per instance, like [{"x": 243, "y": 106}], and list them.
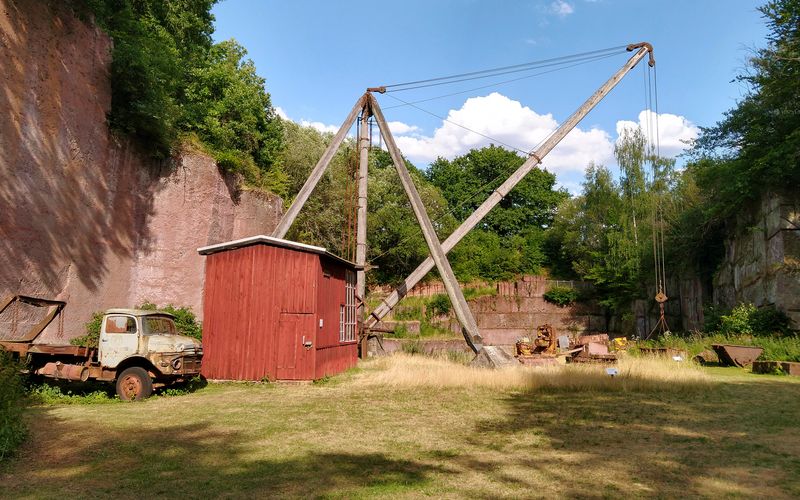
[
  {"x": 762, "y": 263},
  {"x": 87, "y": 217}
]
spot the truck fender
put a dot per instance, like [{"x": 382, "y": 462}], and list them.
[{"x": 140, "y": 362}]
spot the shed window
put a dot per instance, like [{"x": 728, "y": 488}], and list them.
[{"x": 348, "y": 310}]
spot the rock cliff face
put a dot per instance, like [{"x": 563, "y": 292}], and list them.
[
  {"x": 86, "y": 217},
  {"x": 762, "y": 265}
]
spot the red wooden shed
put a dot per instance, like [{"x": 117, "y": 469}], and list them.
[{"x": 277, "y": 309}]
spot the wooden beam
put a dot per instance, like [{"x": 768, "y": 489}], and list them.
[
  {"x": 361, "y": 215},
  {"x": 460, "y": 307},
  {"x": 498, "y": 194},
  {"x": 361, "y": 221},
  {"x": 288, "y": 218}
]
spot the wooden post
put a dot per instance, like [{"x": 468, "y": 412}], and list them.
[
  {"x": 288, "y": 218},
  {"x": 498, "y": 194},
  {"x": 460, "y": 306},
  {"x": 361, "y": 218}
]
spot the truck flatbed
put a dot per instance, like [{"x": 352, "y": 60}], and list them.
[{"x": 63, "y": 349}]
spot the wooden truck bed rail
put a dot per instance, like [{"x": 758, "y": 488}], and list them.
[{"x": 39, "y": 327}]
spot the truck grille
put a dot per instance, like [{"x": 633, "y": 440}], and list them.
[{"x": 191, "y": 364}]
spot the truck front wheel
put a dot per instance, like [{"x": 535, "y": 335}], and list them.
[{"x": 134, "y": 383}]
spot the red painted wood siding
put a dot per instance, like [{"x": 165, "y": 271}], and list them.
[
  {"x": 246, "y": 291},
  {"x": 332, "y": 356},
  {"x": 261, "y": 302}
]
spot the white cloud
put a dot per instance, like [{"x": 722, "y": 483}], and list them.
[
  {"x": 508, "y": 121},
  {"x": 319, "y": 126},
  {"x": 322, "y": 127},
  {"x": 399, "y": 128},
  {"x": 561, "y": 8},
  {"x": 673, "y": 131},
  {"x": 280, "y": 112}
]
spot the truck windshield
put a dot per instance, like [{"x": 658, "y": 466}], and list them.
[{"x": 159, "y": 325}]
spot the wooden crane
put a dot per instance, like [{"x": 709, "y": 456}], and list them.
[{"x": 366, "y": 107}]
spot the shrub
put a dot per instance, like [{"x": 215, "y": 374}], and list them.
[
  {"x": 12, "y": 428},
  {"x": 747, "y": 319},
  {"x": 768, "y": 320},
  {"x": 712, "y": 317},
  {"x": 413, "y": 347},
  {"x": 561, "y": 295},
  {"x": 411, "y": 312},
  {"x": 738, "y": 321},
  {"x": 185, "y": 320},
  {"x": 439, "y": 305},
  {"x": 92, "y": 336}
]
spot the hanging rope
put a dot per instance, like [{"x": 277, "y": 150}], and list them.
[{"x": 654, "y": 154}]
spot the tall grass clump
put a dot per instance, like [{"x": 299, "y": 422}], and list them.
[
  {"x": 12, "y": 428},
  {"x": 634, "y": 374}
]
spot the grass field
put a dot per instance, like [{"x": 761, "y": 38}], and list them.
[{"x": 440, "y": 430}]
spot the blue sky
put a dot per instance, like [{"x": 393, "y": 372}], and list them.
[{"x": 319, "y": 56}]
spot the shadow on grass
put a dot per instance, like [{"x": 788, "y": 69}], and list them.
[
  {"x": 194, "y": 461},
  {"x": 737, "y": 438}
]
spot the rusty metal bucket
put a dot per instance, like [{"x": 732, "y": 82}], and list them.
[{"x": 737, "y": 355}]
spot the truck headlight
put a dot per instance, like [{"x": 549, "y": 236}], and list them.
[{"x": 177, "y": 363}]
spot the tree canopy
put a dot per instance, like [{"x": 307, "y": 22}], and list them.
[
  {"x": 467, "y": 180},
  {"x": 756, "y": 147},
  {"x": 168, "y": 80}
]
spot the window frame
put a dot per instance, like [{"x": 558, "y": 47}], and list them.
[{"x": 348, "y": 311}]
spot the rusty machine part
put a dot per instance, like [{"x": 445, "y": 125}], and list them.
[
  {"x": 546, "y": 341},
  {"x": 737, "y": 355},
  {"x": 524, "y": 347},
  {"x": 59, "y": 370}
]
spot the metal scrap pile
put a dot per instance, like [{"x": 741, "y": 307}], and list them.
[
  {"x": 548, "y": 348},
  {"x": 592, "y": 349}
]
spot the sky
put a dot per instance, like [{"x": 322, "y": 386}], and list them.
[{"x": 319, "y": 56}]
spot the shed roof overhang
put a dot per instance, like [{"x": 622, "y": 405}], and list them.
[{"x": 275, "y": 242}]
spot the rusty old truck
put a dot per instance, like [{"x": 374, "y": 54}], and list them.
[{"x": 139, "y": 350}]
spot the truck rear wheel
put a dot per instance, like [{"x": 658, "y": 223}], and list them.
[{"x": 134, "y": 383}]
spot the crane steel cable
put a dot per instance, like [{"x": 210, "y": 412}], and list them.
[
  {"x": 580, "y": 58},
  {"x": 497, "y": 71},
  {"x": 659, "y": 257},
  {"x": 495, "y": 84},
  {"x": 527, "y": 153}
]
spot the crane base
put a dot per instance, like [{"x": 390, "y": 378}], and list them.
[{"x": 493, "y": 357}]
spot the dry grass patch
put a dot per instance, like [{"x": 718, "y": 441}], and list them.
[{"x": 634, "y": 374}]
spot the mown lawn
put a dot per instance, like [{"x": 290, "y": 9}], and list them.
[{"x": 350, "y": 438}]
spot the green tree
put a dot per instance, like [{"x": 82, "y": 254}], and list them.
[
  {"x": 395, "y": 242},
  {"x": 226, "y": 106},
  {"x": 156, "y": 44},
  {"x": 169, "y": 80},
  {"x": 756, "y": 147},
  {"x": 467, "y": 180}
]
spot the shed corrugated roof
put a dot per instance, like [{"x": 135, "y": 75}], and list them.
[{"x": 276, "y": 242}]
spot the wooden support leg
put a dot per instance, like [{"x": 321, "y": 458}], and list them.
[{"x": 288, "y": 218}]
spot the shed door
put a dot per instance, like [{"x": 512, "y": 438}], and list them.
[{"x": 295, "y": 346}]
